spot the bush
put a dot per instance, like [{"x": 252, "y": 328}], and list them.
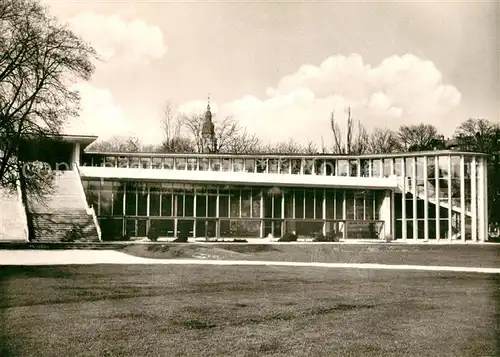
[
  {"x": 332, "y": 236},
  {"x": 153, "y": 234},
  {"x": 288, "y": 237},
  {"x": 73, "y": 235},
  {"x": 182, "y": 238}
]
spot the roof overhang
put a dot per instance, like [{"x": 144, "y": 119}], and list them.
[
  {"x": 84, "y": 140},
  {"x": 239, "y": 178}
]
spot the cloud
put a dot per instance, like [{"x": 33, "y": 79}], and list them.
[
  {"x": 99, "y": 114},
  {"x": 400, "y": 89},
  {"x": 117, "y": 41}
]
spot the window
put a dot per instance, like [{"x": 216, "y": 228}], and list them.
[
  {"x": 295, "y": 166},
  {"x": 387, "y": 167},
  {"x": 343, "y": 166},
  {"x": 285, "y": 166},
  {"x": 249, "y": 165},
  {"x": 353, "y": 168},
  {"x": 215, "y": 164},
  {"x": 192, "y": 164},
  {"x": 180, "y": 163},
  {"x": 308, "y": 166},
  {"x": 273, "y": 166},
  {"x": 262, "y": 165},
  {"x": 226, "y": 165},
  {"x": 238, "y": 165},
  {"x": 204, "y": 164},
  {"x": 168, "y": 163},
  {"x": 156, "y": 162},
  {"x": 110, "y": 161},
  {"x": 376, "y": 168},
  {"x": 154, "y": 200},
  {"x": 146, "y": 162}
]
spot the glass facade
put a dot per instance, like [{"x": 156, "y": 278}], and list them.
[
  {"x": 131, "y": 209},
  {"x": 439, "y": 195}
]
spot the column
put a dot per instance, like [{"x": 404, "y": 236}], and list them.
[
  {"x": 403, "y": 201},
  {"x": 385, "y": 213},
  {"x": 426, "y": 202},
  {"x": 282, "y": 212},
  {"x": 194, "y": 212},
  {"x": 76, "y": 155},
  {"x": 438, "y": 201},
  {"x": 217, "y": 214},
  {"x": 482, "y": 200},
  {"x": 261, "y": 213},
  {"x": 415, "y": 193},
  {"x": 393, "y": 215},
  {"x": 450, "y": 211},
  {"x": 473, "y": 198},
  {"x": 344, "y": 213},
  {"x": 462, "y": 198},
  {"x": 324, "y": 212}
]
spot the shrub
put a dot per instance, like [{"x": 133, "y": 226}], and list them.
[
  {"x": 388, "y": 238},
  {"x": 182, "y": 238},
  {"x": 153, "y": 234},
  {"x": 288, "y": 237},
  {"x": 332, "y": 236},
  {"x": 73, "y": 235}
]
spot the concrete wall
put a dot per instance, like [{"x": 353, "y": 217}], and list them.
[{"x": 13, "y": 226}]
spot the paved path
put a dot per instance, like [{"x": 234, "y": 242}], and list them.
[{"x": 71, "y": 257}]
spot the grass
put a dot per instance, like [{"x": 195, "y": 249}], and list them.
[
  {"x": 474, "y": 255},
  {"x": 131, "y": 310}
]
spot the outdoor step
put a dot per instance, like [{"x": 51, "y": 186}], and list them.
[{"x": 64, "y": 210}]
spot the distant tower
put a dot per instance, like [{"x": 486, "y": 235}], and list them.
[{"x": 208, "y": 140}]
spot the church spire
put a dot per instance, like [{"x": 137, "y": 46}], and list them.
[{"x": 208, "y": 113}]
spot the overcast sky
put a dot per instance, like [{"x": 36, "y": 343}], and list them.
[{"x": 282, "y": 67}]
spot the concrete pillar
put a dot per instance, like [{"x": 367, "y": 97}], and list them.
[
  {"x": 473, "y": 183},
  {"x": 404, "y": 233},
  {"x": 462, "y": 198},
  {"x": 426, "y": 201},
  {"x": 450, "y": 202},
  {"x": 75, "y": 155},
  {"x": 437, "y": 194},
  {"x": 384, "y": 213}
]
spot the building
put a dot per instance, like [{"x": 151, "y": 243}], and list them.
[{"x": 435, "y": 195}]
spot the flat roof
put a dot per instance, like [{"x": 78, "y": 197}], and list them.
[
  {"x": 82, "y": 139},
  {"x": 301, "y": 156}
]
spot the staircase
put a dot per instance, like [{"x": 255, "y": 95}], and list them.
[
  {"x": 443, "y": 192},
  {"x": 64, "y": 216}
]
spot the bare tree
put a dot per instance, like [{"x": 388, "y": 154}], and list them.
[
  {"x": 231, "y": 137},
  {"x": 381, "y": 141},
  {"x": 285, "y": 147},
  {"x": 39, "y": 60},
  {"x": 419, "y": 137},
  {"x": 173, "y": 141},
  {"x": 354, "y": 141},
  {"x": 478, "y": 135},
  {"x": 118, "y": 144}
]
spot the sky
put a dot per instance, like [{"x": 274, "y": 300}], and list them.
[{"x": 282, "y": 68}]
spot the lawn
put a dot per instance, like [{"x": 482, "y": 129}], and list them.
[
  {"x": 470, "y": 255},
  {"x": 131, "y": 310}
]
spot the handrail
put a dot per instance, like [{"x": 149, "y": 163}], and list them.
[
  {"x": 88, "y": 208},
  {"x": 25, "y": 216}
]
